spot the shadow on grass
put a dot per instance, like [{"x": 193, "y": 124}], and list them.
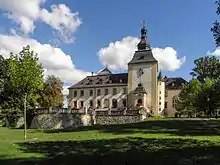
[
  {"x": 175, "y": 127},
  {"x": 124, "y": 151}
]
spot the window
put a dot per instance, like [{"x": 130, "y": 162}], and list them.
[
  {"x": 173, "y": 84},
  {"x": 139, "y": 102},
  {"x": 75, "y": 94},
  {"x": 165, "y": 105},
  {"x": 175, "y": 101},
  {"x": 159, "y": 109},
  {"x": 99, "y": 104},
  {"x": 166, "y": 93},
  {"x": 100, "y": 81},
  {"x": 82, "y": 93},
  {"x": 75, "y": 104},
  {"x": 91, "y": 103},
  {"x": 160, "y": 98},
  {"x": 106, "y": 91},
  {"x": 159, "y": 103},
  {"x": 90, "y": 92},
  {"x": 81, "y": 104},
  {"x": 114, "y": 103},
  {"x": 114, "y": 91},
  {"x": 124, "y": 102},
  {"x": 106, "y": 103},
  {"x": 124, "y": 90},
  {"x": 160, "y": 92},
  {"x": 98, "y": 92},
  {"x": 90, "y": 82}
]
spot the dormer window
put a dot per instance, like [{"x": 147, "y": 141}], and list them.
[
  {"x": 90, "y": 81},
  {"x": 100, "y": 81}
]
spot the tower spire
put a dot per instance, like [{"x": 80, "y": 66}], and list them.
[{"x": 143, "y": 44}]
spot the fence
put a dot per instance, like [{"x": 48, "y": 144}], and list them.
[{"x": 99, "y": 112}]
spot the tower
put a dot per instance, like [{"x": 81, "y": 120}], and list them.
[
  {"x": 142, "y": 76},
  {"x": 161, "y": 93}
]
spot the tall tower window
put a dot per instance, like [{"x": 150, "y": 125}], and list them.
[
  {"x": 82, "y": 93},
  {"x": 99, "y": 92},
  {"x": 75, "y": 104},
  {"x": 175, "y": 101},
  {"x": 124, "y": 90},
  {"x": 99, "y": 104},
  {"x": 90, "y": 92},
  {"x": 75, "y": 94},
  {"x": 114, "y": 91},
  {"x": 124, "y": 102},
  {"x": 106, "y": 91},
  {"x": 81, "y": 104},
  {"x": 165, "y": 105},
  {"x": 91, "y": 103},
  {"x": 114, "y": 103}
]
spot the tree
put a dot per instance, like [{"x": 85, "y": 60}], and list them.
[
  {"x": 206, "y": 67},
  {"x": 26, "y": 75},
  {"x": 52, "y": 95},
  {"x": 216, "y": 26},
  {"x": 4, "y": 73},
  {"x": 188, "y": 97},
  {"x": 197, "y": 97}
]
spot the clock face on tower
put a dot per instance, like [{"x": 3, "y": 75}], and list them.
[{"x": 140, "y": 72}]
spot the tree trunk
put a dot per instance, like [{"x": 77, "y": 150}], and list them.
[{"x": 25, "y": 116}]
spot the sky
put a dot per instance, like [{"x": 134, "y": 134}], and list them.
[{"x": 76, "y": 37}]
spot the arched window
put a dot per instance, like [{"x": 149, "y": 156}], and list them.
[
  {"x": 106, "y": 103},
  {"x": 175, "y": 101},
  {"x": 98, "y": 103},
  {"x": 139, "y": 102},
  {"x": 114, "y": 103}
]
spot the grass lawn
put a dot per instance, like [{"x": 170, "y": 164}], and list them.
[{"x": 161, "y": 141}]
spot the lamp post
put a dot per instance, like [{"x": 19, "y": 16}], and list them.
[{"x": 208, "y": 99}]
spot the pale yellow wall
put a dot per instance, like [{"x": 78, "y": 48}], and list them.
[
  {"x": 154, "y": 88},
  {"x": 86, "y": 98},
  {"x": 170, "y": 110},
  {"x": 149, "y": 82}
]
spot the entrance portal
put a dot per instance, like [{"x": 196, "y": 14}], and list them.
[{"x": 139, "y": 102}]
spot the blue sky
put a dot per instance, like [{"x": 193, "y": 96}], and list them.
[{"x": 182, "y": 25}]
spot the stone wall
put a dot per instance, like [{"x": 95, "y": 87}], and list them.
[
  {"x": 69, "y": 120},
  {"x": 60, "y": 121},
  {"x": 122, "y": 119}
]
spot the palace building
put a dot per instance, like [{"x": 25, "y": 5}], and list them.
[{"x": 142, "y": 86}]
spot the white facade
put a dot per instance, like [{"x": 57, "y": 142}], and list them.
[
  {"x": 99, "y": 97},
  {"x": 140, "y": 87}
]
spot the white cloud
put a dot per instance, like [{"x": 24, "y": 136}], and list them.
[
  {"x": 62, "y": 20},
  {"x": 167, "y": 58},
  {"x": 216, "y": 52},
  {"x": 65, "y": 90},
  {"x": 23, "y": 12},
  {"x": 119, "y": 53},
  {"x": 26, "y": 12},
  {"x": 54, "y": 60}
]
